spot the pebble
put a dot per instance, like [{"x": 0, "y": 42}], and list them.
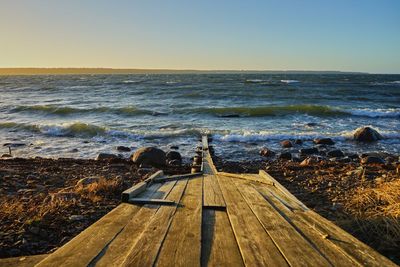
[
  {"x": 308, "y": 151},
  {"x": 286, "y": 144},
  {"x": 372, "y": 160},
  {"x": 335, "y": 153},
  {"x": 76, "y": 218}
]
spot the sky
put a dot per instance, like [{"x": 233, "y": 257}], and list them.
[{"x": 343, "y": 35}]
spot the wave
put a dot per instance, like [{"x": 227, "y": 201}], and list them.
[
  {"x": 64, "y": 110},
  {"x": 313, "y": 110},
  {"x": 261, "y": 111},
  {"x": 290, "y": 81},
  {"x": 81, "y": 129},
  {"x": 263, "y": 136}
]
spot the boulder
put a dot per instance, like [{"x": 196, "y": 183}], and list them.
[
  {"x": 174, "y": 158},
  {"x": 335, "y": 153},
  {"x": 265, "y": 152},
  {"x": 174, "y": 147},
  {"x": 286, "y": 156},
  {"x": 324, "y": 141},
  {"x": 309, "y": 151},
  {"x": 298, "y": 142},
  {"x": 106, "y": 156},
  {"x": 372, "y": 160},
  {"x": 6, "y": 156},
  {"x": 286, "y": 144},
  {"x": 366, "y": 134},
  {"x": 149, "y": 156},
  {"x": 123, "y": 149}
]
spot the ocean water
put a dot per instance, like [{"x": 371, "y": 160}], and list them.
[{"x": 82, "y": 115}]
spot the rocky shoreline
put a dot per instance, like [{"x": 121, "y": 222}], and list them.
[{"x": 46, "y": 202}]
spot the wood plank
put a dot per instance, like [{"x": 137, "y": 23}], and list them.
[
  {"x": 365, "y": 255},
  {"x": 121, "y": 246},
  {"x": 212, "y": 195},
  {"x": 336, "y": 256},
  {"x": 177, "y": 177},
  {"x": 182, "y": 244},
  {"x": 219, "y": 247},
  {"x": 22, "y": 261},
  {"x": 145, "y": 251},
  {"x": 247, "y": 176},
  {"x": 83, "y": 248},
  {"x": 297, "y": 250},
  {"x": 133, "y": 191},
  {"x": 153, "y": 201},
  {"x": 256, "y": 246},
  {"x": 290, "y": 197}
]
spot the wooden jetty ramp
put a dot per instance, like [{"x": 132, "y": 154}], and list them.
[{"x": 213, "y": 218}]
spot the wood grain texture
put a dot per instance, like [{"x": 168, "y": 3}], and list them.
[
  {"x": 212, "y": 195},
  {"x": 182, "y": 244},
  {"x": 145, "y": 251},
  {"x": 256, "y": 246},
  {"x": 336, "y": 257},
  {"x": 119, "y": 248},
  {"x": 219, "y": 247},
  {"x": 83, "y": 248},
  {"x": 297, "y": 250}
]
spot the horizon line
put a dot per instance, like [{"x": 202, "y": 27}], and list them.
[{"x": 112, "y": 70}]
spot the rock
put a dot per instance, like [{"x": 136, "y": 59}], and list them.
[
  {"x": 175, "y": 162},
  {"x": 265, "y": 152},
  {"x": 298, "y": 142},
  {"x": 6, "y": 156},
  {"x": 123, "y": 149},
  {"x": 312, "y": 124},
  {"x": 286, "y": 156},
  {"x": 74, "y": 150},
  {"x": 335, "y": 153},
  {"x": 286, "y": 144},
  {"x": 64, "y": 196},
  {"x": 87, "y": 181},
  {"x": 324, "y": 141},
  {"x": 172, "y": 155},
  {"x": 106, "y": 156},
  {"x": 149, "y": 155},
  {"x": 372, "y": 160},
  {"x": 308, "y": 151},
  {"x": 174, "y": 147},
  {"x": 366, "y": 134}
]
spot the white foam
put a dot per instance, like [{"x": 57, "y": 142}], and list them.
[
  {"x": 375, "y": 113},
  {"x": 290, "y": 81}
]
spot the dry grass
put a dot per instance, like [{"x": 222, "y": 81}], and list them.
[{"x": 377, "y": 212}]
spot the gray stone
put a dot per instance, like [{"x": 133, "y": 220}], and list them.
[
  {"x": 149, "y": 156},
  {"x": 372, "y": 160},
  {"x": 106, "y": 156},
  {"x": 123, "y": 149},
  {"x": 308, "y": 151},
  {"x": 266, "y": 152},
  {"x": 366, "y": 134},
  {"x": 324, "y": 141},
  {"x": 335, "y": 153},
  {"x": 286, "y": 144},
  {"x": 286, "y": 156}
]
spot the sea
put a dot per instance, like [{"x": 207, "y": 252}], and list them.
[{"x": 80, "y": 116}]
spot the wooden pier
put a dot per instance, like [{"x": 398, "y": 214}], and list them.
[{"x": 213, "y": 218}]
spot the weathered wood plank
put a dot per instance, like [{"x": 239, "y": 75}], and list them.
[
  {"x": 256, "y": 246},
  {"x": 296, "y": 250},
  {"x": 337, "y": 257},
  {"x": 177, "y": 177},
  {"x": 365, "y": 255},
  {"x": 119, "y": 248},
  {"x": 139, "y": 187},
  {"x": 247, "y": 176},
  {"x": 83, "y": 248},
  {"x": 182, "y": 244},
  {"x": 290, "y": 197},
  {"x": 153, "y": 201},
  {"x": 212, "y": 195},
  {"x": 219, "y": 247},
  {"x": 145, "y": 251}
]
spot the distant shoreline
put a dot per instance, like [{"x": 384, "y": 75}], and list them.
[{"x": 72, "y": 71}]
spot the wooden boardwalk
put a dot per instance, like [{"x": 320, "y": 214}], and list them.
[{"x": 213, "y": 219}]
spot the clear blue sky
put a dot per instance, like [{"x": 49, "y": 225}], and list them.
[{"x": 352, "y": 35}]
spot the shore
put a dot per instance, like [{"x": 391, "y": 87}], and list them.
[{"x": 46, "y": 202}]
